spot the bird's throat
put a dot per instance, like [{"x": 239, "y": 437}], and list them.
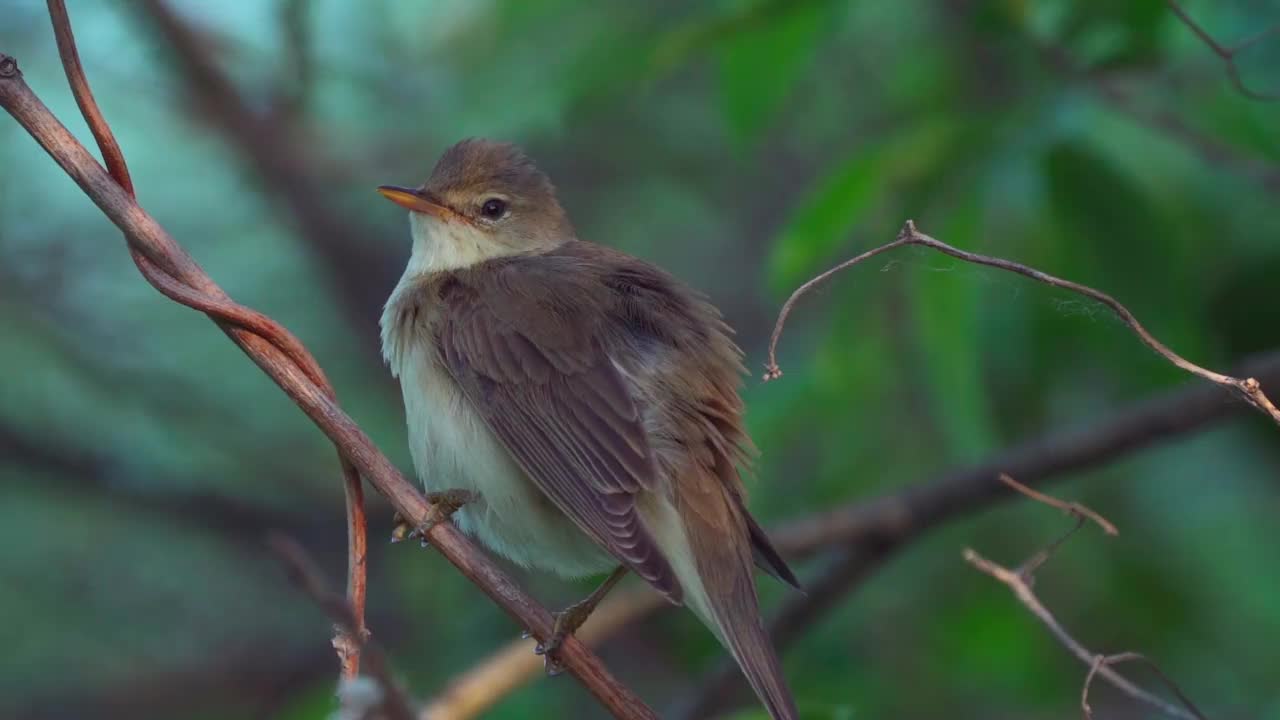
[{"x": 440, "y": 245}]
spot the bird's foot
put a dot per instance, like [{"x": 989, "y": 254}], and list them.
[
  {"x": 567, "y": 622},
  {"x": 443, "y": 505},
  {"x": 570, "y": 619}
]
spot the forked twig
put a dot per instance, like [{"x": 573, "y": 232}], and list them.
[
  {"x": 1248, "y": 388},
  {"x": 1228, "y": 53},
  {"x": 1022, "y": 579},
  {"x": 1102, "y": 661},
  {"x": 1071, "y": 508}
]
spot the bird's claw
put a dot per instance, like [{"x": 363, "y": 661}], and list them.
[
  {"x": 567, "y": 622},
  {"x": 550, "y": 664},
  {"x": 443, "y": 505}
]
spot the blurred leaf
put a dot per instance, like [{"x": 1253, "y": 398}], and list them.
[
  {"x": 1109, "y": 34},
  {"x": 851, "y": 191},
  {"x": 760, "y": 63}
]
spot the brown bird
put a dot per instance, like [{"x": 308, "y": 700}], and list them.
[{"x": 577, "y": 407}]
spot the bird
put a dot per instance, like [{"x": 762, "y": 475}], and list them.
[{"x": 574, "y": 408}]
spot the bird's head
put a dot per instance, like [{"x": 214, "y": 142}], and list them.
[{"x": 484, "y": 199}]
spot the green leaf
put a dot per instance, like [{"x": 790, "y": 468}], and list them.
[
  {"x": 760, "y": 62},
  {"x": 855, "y": 186}
]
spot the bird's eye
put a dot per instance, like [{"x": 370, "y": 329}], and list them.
[{"x": 493, "y": 209}]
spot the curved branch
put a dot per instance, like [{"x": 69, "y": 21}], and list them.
[
  {"x": 1247, "y": 388},
  {"x": 1228, "y": 54},
  {"x": 1105, "y": 661},
  {"x": 291, "y": 367},
  {"x": 347, "y": 646}
]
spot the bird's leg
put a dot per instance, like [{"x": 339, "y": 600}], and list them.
[
  {"x": 572, "y": 617},
  {"x": 443, "y": 505}
]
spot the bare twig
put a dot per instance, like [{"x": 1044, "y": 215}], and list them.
[
  {"x": 164, "y": 263},
  {"x": 1022, "y": 579},
  {"x": 1081, "y": 514},
  {"x": 1248, "y": 388},
  {"x": 1162, "y": 121},
  {"x": 1022, "y": 590},
  {"x": 304, "y": 573},
  {"x": 1102, "y": 661},
  {"x": 1071, "y": 508},
  {"x": 1228, "y": 53}
]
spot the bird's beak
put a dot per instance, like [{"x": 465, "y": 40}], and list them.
[{"x": 414, "y": 200}]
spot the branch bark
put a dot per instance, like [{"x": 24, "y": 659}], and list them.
[
  {"x": 1021, "y": 581},
  {"x": 1021, "y": 589},
  {"x": 347, "y": 646},
  {"x": 165, "y": 263},
  {"x": 1247, "y": 388},
  {"x": 1228, "y": 53}
]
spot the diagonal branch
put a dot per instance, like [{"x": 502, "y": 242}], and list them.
[
  {"x": 1228, "y": 53},
  {"x": 348, "y": 646},
  {"x": 168, "y": 266},
  {"x": 1021, "y": 589},
  {"x": 1103, "y": 661},
  {"x": 1021, "y": 581},
  {"x": 1247, "y": 388}
]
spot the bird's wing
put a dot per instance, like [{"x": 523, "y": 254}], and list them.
[{"x": 533, "y": 362}]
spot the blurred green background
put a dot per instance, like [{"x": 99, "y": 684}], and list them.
[{"x": 745, "y": 145}]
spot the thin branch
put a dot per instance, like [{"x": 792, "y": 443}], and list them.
[
  {"x": 167, "y": 266},
  {"x": 1022, "y": 579},
  {"x": 1022, "y": 590},
  {"x": 1247, "y": 388},
  {"x": 1071, "y": 508},
  {"x": 1228, "y": 53},
  {"x": 348, "y": 648},
  {"x": 304, "y": 573},
  {"x": 1173, "y": 127},
  {"x": 1102, "y": 661}
]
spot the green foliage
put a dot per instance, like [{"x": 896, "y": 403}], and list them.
[{"x": 761, "y": 63}]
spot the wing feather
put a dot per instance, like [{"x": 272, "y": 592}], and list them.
[{"x": 557, "y": 403}]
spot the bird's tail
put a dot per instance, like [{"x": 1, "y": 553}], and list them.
[{"x": 716, "y": 571}]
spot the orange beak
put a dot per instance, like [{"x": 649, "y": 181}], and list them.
[{"x": 414, "y": 200}]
